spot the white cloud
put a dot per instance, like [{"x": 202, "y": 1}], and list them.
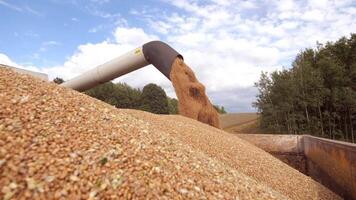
[
  {"x": 313, "y": 15},
  {"x": 91, "y": 55},
  {"x": 286, "y": 5},
  {"x": 47, "y": 44},
  {"x": 226, "y": 42},
  {"x": 100, "y": 1},
  {"x": 33, "y": 11},
  {"x": 132, "y": 36},
  {"x": 4, "y": 59},
  {"x": 228, "y": 45},
  {"x": 11, "y": 6},
  {"x": 24, "y": 8},
  {"x": 96, "y": 29},
  {"x": 51, "y": 43}
]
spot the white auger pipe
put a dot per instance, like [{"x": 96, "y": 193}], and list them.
[
  {"x": 119, "y": 66},
  {"x": 157, "y": 53}
]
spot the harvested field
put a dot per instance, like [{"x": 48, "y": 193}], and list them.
[
  {"x": 240, "y": 122},
  {"x": 251, "y": 127},
  {"x": 58, "y": 143},
  {"x": 233, "y": 119}
]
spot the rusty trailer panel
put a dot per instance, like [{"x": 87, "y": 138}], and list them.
[
  {"x": 330, "y": 162},
  {"x": 286, "y": 144}
]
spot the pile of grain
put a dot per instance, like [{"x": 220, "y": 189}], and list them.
[
  {"x": 58, "y": 143},
  {"x": 240, "y": 155},
  {"x": 193, "y": 102}
]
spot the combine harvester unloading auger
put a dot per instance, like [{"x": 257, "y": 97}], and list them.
[{"x": 193, "y": 101}]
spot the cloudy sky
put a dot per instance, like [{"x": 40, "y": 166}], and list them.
[{"x": 226, "y": 42}]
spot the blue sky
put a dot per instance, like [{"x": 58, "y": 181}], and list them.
[
  {"x": 226, "y": 42},
  {"x": 46, "y": 32}
]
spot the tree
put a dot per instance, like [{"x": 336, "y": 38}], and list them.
[
  {"x": 264, "y": 104},
  {"x": 58, "y": 80},
  {"x": 317, "y": 95},
  {"x": 106, "y": 92},
  {"x": 128, "y": 97},
  {"x": 154, "y": 99},
  {"x": 172, "y": 105},
  {"x": 220, "y": 110},
  {"x": 119, "y": 95}
]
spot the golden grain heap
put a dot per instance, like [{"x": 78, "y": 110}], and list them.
[{"x": 56, "y": 143}]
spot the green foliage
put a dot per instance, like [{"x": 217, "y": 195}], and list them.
[
  {"x": 172, "y": 106},
  {"x": 128, "y": 97},
  {"x": 316, "y": 96},
  {"x": 106, "y": 92},
  {"x": 154, "y": 99},
  {"x": 151, "y": 99},
  {"x": 220, "y": 110},
  {"x": 119, "y": 95}
]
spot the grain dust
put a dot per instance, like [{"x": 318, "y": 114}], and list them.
[{"x": 192, "y": 99}]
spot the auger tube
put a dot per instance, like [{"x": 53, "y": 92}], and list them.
[{"x": 157, "y": 53}]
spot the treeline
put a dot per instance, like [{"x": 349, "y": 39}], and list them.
[
  {"x": 152, "y": 98},
  {"x": 316, "y": 96}
]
